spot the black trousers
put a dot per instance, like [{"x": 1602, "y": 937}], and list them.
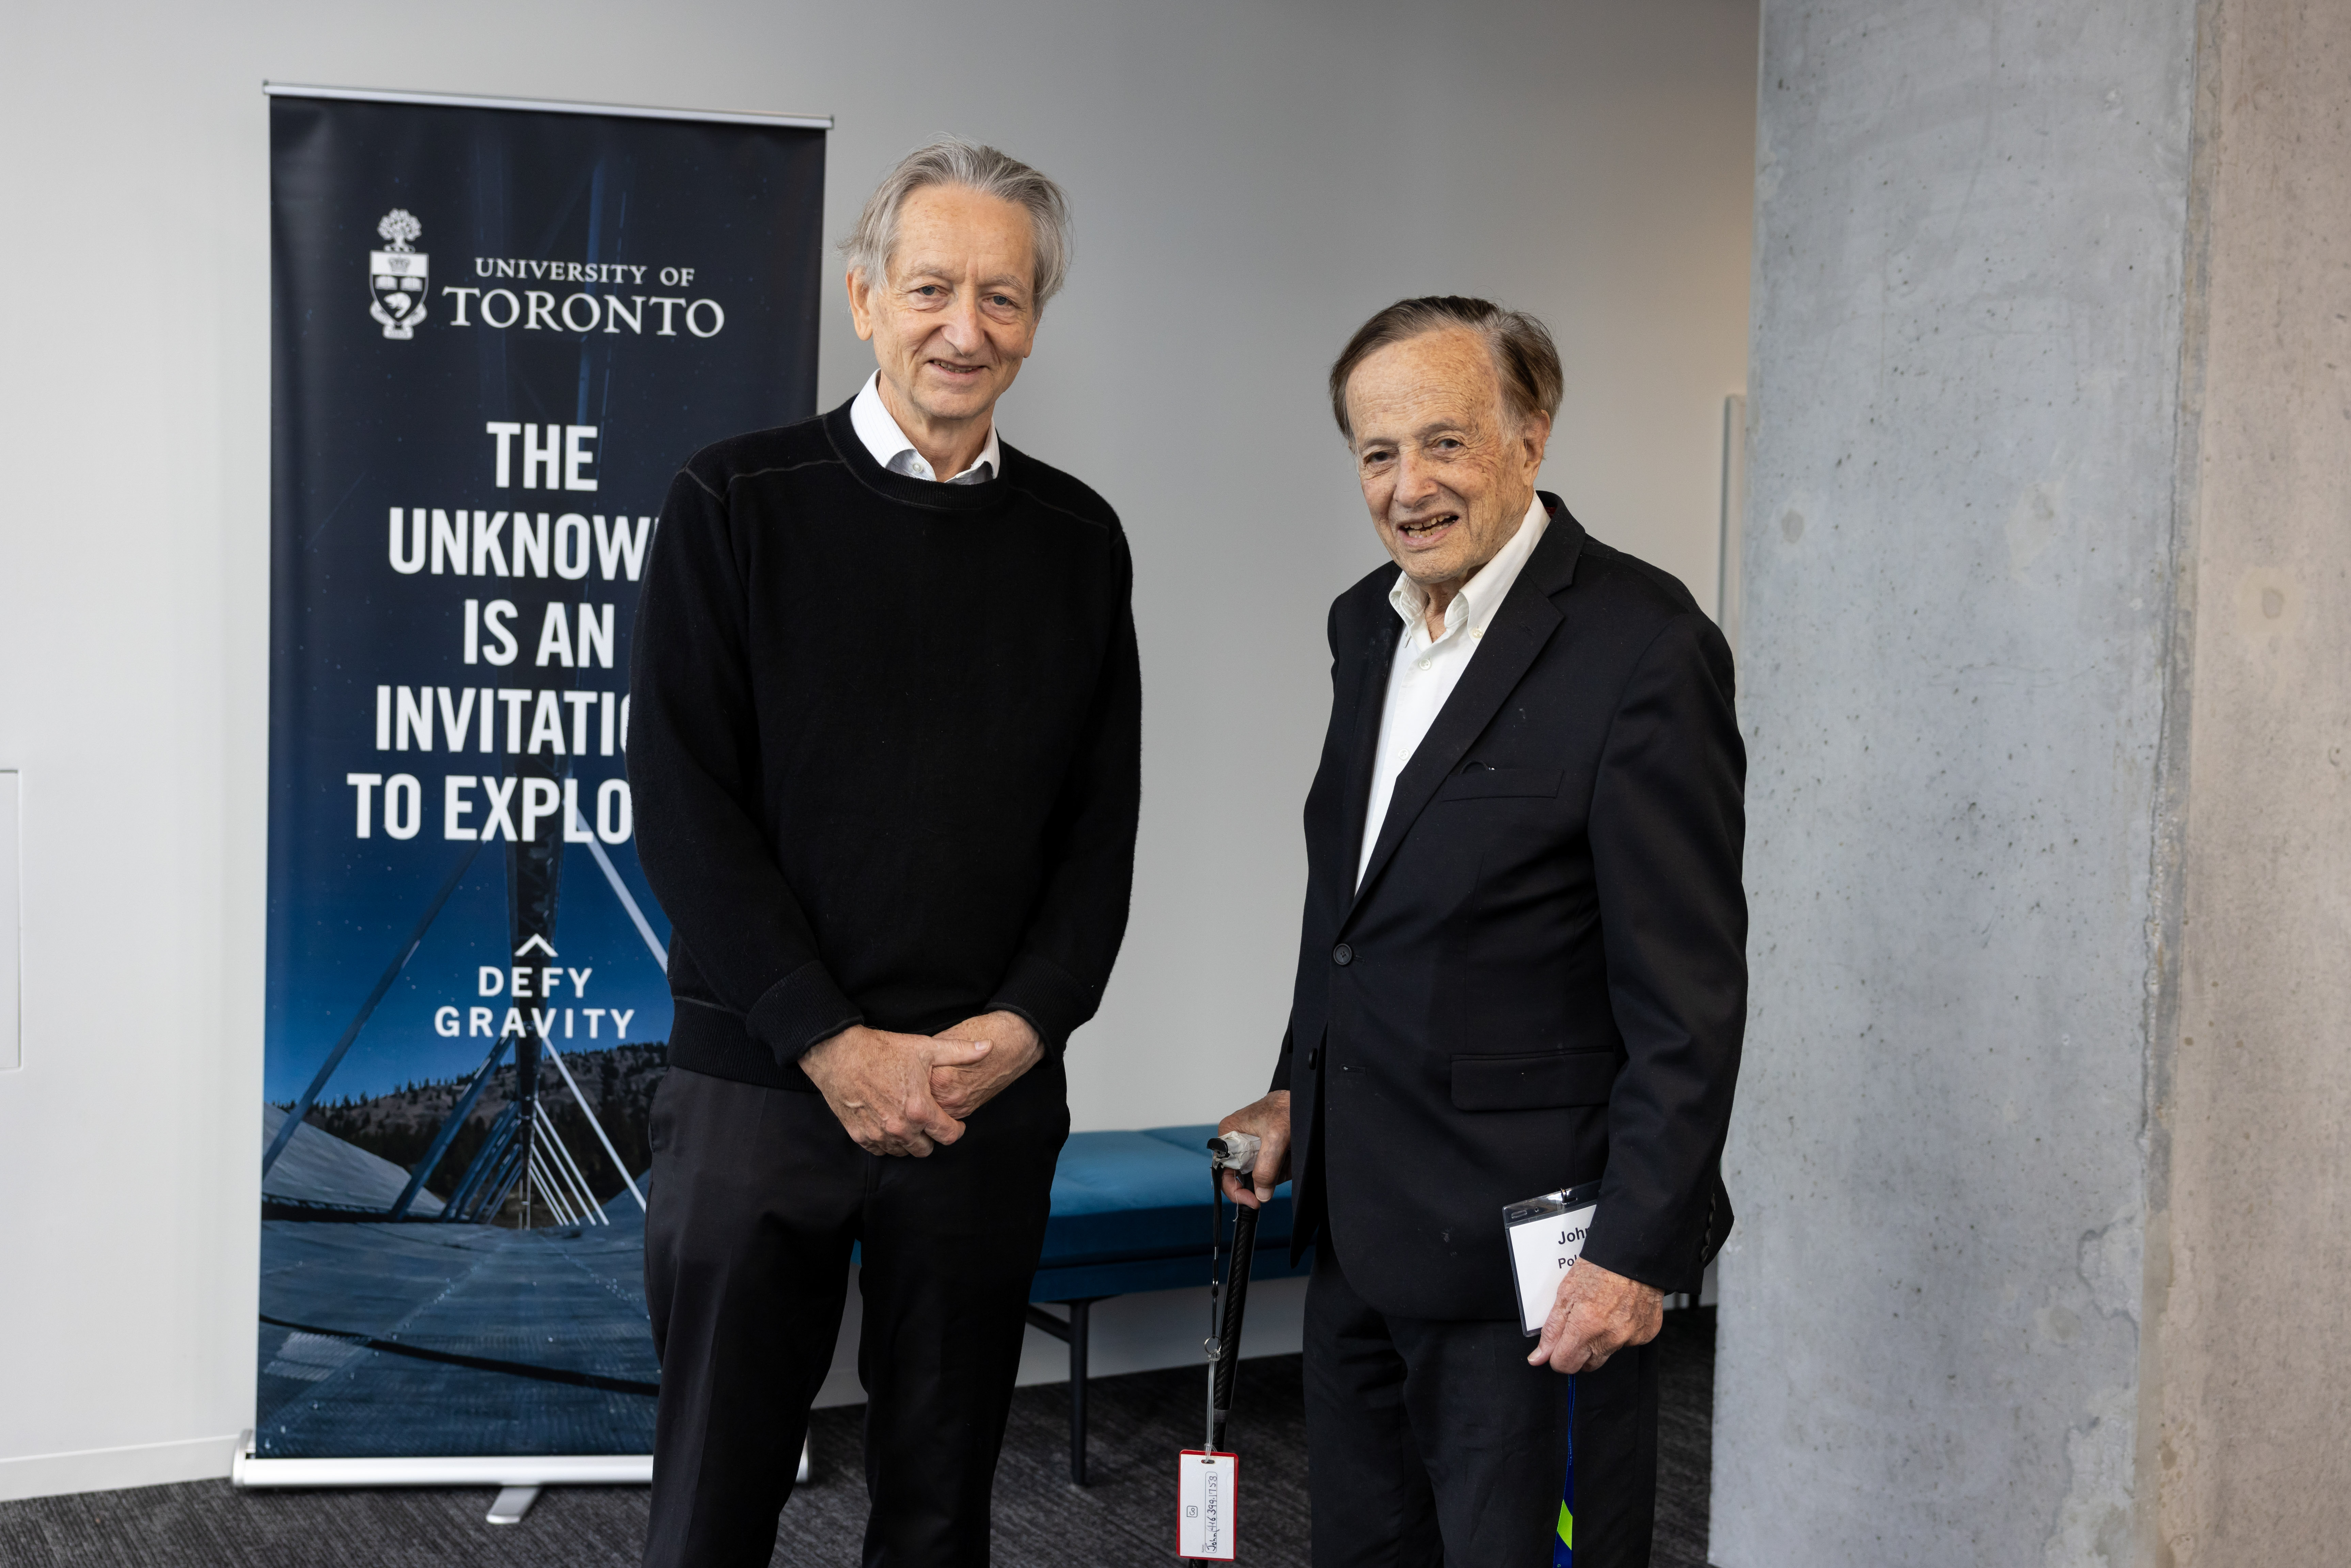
[
  {"x": 1432, "y": 1443},
  {"x": 758, "y": 1195}
]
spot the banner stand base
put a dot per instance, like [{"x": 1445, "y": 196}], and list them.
[
  {"x": 510, "y": 1473},
  {"x": 518, "y": 1477}
]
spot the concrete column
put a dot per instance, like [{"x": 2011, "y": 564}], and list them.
[
  {"x": 2047, "y": 680},
  {"x": 2249, "y": 1220}
]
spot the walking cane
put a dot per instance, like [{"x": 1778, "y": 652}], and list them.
[
  {"x": 1206, "y": 1477},
  {"x": 1235, "y": 1152}
]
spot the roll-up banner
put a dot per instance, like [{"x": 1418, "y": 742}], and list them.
[{"x": 498, "y": 330}]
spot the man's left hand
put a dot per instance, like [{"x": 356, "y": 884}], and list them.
[
  {"x": 1596, "y": 1314},
  {"x": 1015, "y": 1049}
]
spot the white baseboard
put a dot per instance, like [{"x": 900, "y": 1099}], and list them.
[{"x": 112, "y": 1470}]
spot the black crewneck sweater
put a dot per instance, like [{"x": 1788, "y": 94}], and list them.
[{"x": 884, "y": 748}]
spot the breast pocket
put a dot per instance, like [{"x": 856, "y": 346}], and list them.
[{"x": 1479, "y": 782}]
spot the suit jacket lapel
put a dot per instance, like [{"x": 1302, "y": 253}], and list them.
[
  {"x": 1519, "y": 632},
  {"x": 1373, "y": 662}
]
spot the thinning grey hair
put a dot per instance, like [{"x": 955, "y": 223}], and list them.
[
  {"x": 1525, "y": 358},
  {"x": 952, "y": 160}
]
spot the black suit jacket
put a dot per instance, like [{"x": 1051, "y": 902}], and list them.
[{"x": 1542, "y": 978}]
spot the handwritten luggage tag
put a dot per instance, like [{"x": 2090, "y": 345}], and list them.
[{"x": 1205, "y": 1484}]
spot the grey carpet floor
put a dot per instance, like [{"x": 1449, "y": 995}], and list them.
[{"x": 1123, "y": 1519}]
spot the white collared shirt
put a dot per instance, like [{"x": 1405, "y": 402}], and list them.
[
  {"x": 1425, "y": 671},
  {"x": 891, "y": 448}
]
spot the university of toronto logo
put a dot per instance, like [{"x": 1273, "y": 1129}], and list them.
[{"x": 396, "y": 277}]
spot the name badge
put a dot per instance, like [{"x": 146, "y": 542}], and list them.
[
  {"x": 1546, "y": 1236},
  {"x": 1204, "y": 1505}
]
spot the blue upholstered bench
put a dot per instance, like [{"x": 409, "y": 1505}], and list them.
[{"x": 1131, "y": 1214}]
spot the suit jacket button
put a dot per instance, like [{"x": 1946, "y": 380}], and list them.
[
  {"x": 1314, "y": 1058},
  {"x": 1342, "y": 955}
]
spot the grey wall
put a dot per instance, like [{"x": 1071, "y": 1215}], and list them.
[
  {"x": 1249, "y": 182},
  {"x": 1971, "y": 231}
]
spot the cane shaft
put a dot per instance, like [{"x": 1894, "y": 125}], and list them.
[{"x": 1236, "y": 1278}]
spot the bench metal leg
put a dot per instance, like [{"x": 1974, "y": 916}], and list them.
[
  {"x": 1073, "y": 1330},
  {"x": 1079, "y": 1314}
]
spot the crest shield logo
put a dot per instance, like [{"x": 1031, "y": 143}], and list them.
[{"x": 396, "y": 277}]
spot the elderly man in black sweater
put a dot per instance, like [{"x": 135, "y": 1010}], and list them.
[{"x": 886, "y": 754}]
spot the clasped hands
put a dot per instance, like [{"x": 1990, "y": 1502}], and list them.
[
  {"x": 1596, "y": 1314},
  {"x": 910, "y": 1093}
]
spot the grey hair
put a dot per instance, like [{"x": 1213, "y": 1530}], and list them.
[
  {"x": 952, "y": 160},
  {"x": 1525, "y": 358}
]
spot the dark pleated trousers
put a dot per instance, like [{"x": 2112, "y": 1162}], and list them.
[
  {"x": 758, "y": 1197},
  {"x": 1431, "y": 1442}
]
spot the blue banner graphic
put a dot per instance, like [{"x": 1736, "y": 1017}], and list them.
[{"x": 497, "y": 333}]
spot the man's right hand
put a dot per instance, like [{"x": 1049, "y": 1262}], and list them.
[
  {"x": 1269, "y": 1122},
  {"x": 879, "y": 1085}
]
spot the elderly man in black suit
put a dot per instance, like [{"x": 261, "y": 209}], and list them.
[{"x": 1522, "y": 968}]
